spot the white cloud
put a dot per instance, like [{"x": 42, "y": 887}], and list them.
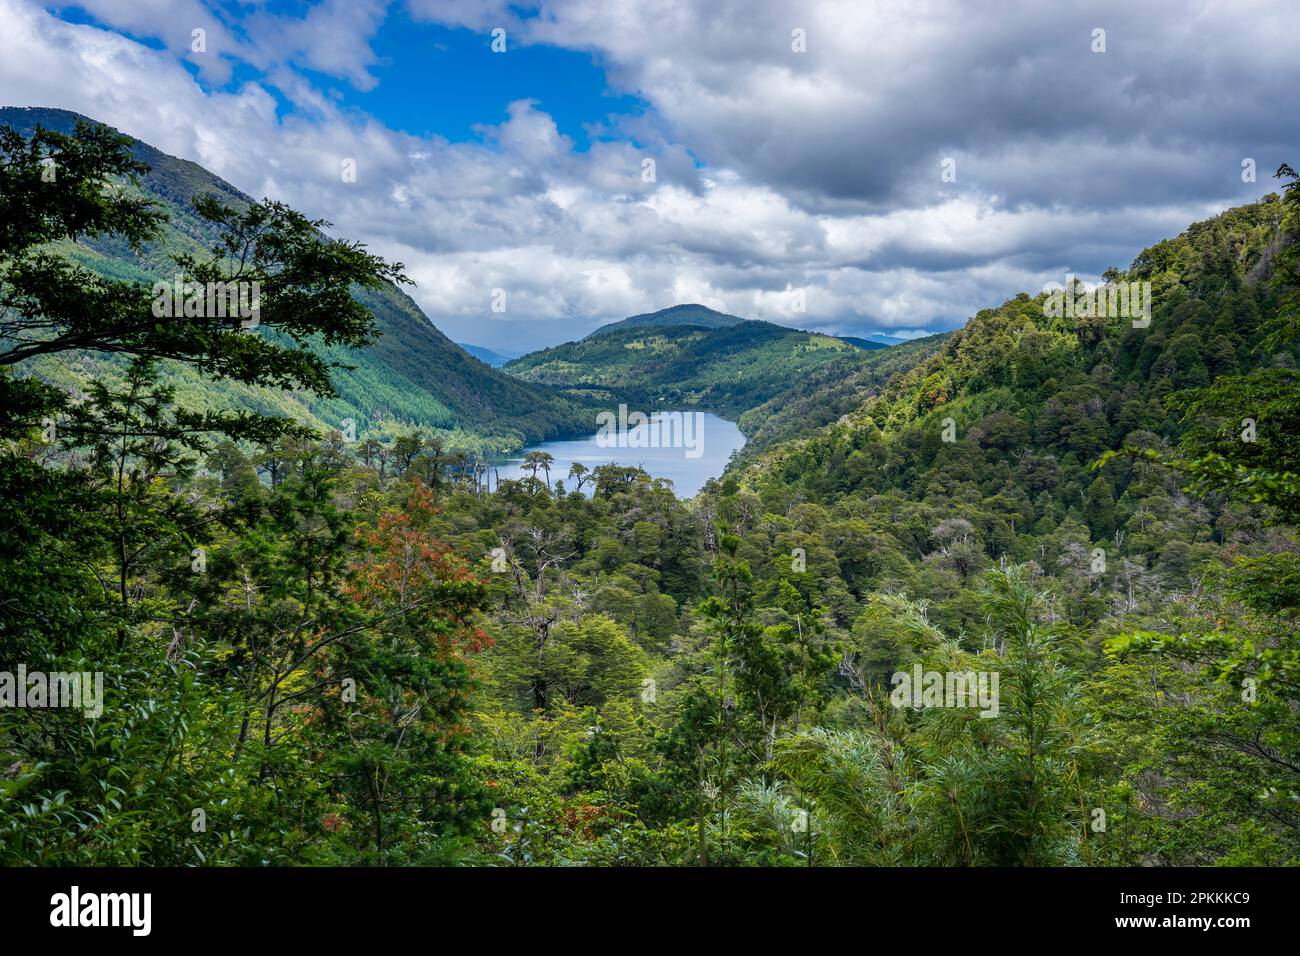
[
  {"x": 332, "y": 37},
  {"x": 820, "y": 173}
]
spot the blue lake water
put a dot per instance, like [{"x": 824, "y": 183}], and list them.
[{"x": 688, "y": 468}]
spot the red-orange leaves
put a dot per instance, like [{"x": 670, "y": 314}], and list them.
[{"x": 408, "y": 574}]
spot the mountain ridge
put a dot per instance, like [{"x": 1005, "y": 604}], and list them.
[
  {"x": 1018, "y": 376},
  {"x": 686, "y": 313},
  {"x": 485, "y": 355},
  {"x": 412, "y": 376},
  {"x": 701, "y": 316},
  {"x": 727, "y": 369}
]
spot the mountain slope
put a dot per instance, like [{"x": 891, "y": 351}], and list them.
[
  {"x": 866, "y": 344},
  {"x": 689, "y": 314},
  {"x": 726, "y": 369},
  {"x": 412, "y": 376},
  {"x": 1030, "y": 400},
  {"x": 486, "y": 356},
  {"x": 830, "y": 392}
]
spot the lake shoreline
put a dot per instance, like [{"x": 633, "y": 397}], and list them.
[{"x": 718, "y": 439}]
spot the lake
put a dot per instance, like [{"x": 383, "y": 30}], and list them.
[{"x": 703, "y": 454}]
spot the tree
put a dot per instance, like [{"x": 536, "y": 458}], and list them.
[
  {"x": 542, "y": 460},
  {"x": 1236, "y": 737},
  {"x": 303, "y": 280},
  {"x": 204, "y": 604},
  {"x": 1099, "y": 509},
  {"x": 580, "y": 474},
  {"x": 953, "y": 788},
  {"x": 395, "y": 750}
]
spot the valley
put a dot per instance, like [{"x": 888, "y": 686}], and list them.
[
  {"x": 410, "y": 377},
  {"x": 1071, "y": 537}
]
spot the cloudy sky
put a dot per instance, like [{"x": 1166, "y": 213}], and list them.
[{"x": 799, "y": 148}]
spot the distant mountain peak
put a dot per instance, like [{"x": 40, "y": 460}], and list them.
[
  {"x": 691, "y": 309},
  {"x": 688, "y": 313},
  {"x": 485, "y": 355}
]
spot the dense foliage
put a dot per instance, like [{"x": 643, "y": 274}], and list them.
[
  {"x": 408, "y": 375},
  {"x": 322, "y": 651},
  {"x": 690, "y": 356}
]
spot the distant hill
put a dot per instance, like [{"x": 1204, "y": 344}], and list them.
[
  {"x": 412, "y": 376},
  {"x": 885, "y": 339},
  {"x": 666, "y": 359},
  {"x": 486, "y": 356},
  {"x": 863, "y": 343},
  {"x": 700, "y": 316}
]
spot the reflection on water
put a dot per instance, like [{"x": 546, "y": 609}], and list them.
[{"x": 717, "y": 439}]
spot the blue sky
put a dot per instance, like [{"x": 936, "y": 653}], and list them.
[
  {"x": 440, "y": 80},
  {"x": 797, "y": 148},
  {"x": 447, "y": 81}
]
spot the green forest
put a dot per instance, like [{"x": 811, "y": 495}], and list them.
[
  {"x": 674, "y": 360},
  {"x": 406, "y": 376},
  {"x": 323, "y": 649}
]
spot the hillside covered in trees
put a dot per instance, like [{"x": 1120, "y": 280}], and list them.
[
  {"x": 690, "y": 356},
  {"x": 317, "y": 651},
  {"x": 409, "y": 376}
]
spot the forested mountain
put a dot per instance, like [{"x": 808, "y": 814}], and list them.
[
  {"x": 1076, "y": 532},
  {"x": 728, "y": 369},
  {"x": 829, "y": 392},
  {"x": 867, "y": 344},
  {"x": 690, "y": 355},
  {"x": 411, "y": 376},
  {"x": 1025, "y": 391},
  {"x": 485, "y": 355},
  {"x": 700, "y": 316}
]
